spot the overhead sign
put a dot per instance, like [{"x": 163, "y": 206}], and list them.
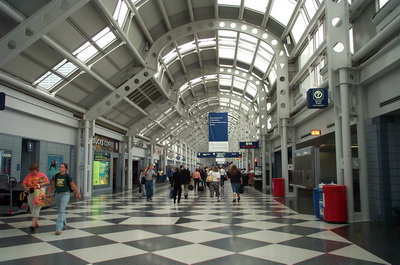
[
  {"x": 218, "y": 126},
  {"x": 317, "y": 98},
  {"x": 218, "y": 154},
  {"x": 249, "y": 145}
]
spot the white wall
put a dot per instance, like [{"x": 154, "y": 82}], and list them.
[{"x": 31, "y": 118}]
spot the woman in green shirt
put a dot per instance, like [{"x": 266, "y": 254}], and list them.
[{"x": 63, "y": 185}]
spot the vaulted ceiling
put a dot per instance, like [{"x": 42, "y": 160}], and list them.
[{"x": 151, "y": 68}]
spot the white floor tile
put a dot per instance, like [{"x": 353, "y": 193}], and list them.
[
  {"x": 89, "y": 224},
  {"x": 261, "y": 225},
  {"x": 150, "y": 221},
  {"x": 11, "y": 233},
  {"x": 26, "y": 251},
  {"x": 320, "y": 224},
  {"x": 67, "y": 234},
  {"x": 204, "y": 217},
  {"x": 356, "y": 252},
  {"x": 28, "y": 223},
  {"x": 203, "y": 225},
  {"x": 193, "y": 253},
  {"x": 269, "y": 236},
  {"x": 132, "y": 235},
  {"x": 329, "y": 235},
  {"x": 106, "y": 252},
  {"x": 108, "y": 216},
  {"x": 198, "y": 236},
  {"x": 281, "y": 253}
]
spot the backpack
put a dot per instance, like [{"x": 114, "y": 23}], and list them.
[{"x": 69, "y": 184}]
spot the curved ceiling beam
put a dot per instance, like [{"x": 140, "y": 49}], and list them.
[
  {"x": 195, "y": 74},
  {"x": 212, "y": 25},
  {"x": 280, "y": 56},
  {"x": 191, "y": 125}
]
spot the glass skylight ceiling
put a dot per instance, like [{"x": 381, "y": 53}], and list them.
[{"x": 84, "y": 53}]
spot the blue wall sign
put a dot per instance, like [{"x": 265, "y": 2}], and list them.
[
  {"x": 218, "y": 126},
  {"x": 317, "y": 98}
]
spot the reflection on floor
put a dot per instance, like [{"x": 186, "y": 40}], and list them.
[{"x": 124, "y": 228}]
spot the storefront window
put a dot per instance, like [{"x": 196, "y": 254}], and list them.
[
  {"x": 5, "y": 166},
  {"x": 101, "y": 170}
]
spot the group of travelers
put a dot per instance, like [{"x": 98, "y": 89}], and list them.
[
  {"x": 213, "y": 178},
  {"x": 40, "y": 190},
  {"x": 181, "y": 179}
]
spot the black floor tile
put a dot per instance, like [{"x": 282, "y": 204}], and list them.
[
  {"x": 329, "y": 259},
  {"x": 158, "y": 243},
  {"x": 53, "y": 259},
  {"x": 315, "y": 244},
  {"x": 81, "y": 242},
  {"x": 235, "y": 244},
  {"x": 144, "y": 259},
  {"x": 238, "y": 259}
]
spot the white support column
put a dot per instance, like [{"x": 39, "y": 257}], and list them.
[
  {"x": 346, "y": 133},
  {"x": 79, "y": 165},
  {"x": 152, "y": 150},
  {"x": 86, "y": 139},
  {"x": 92, "y": 125},
  {"x": 284, "y": 155},
  {"x": 339, "y": 61},
  {"x": 129, "y": 179},
  {"x": 362, "y": 155},
  {"x": 263, "y": 161},
  {"x": 271, "y": 153}
]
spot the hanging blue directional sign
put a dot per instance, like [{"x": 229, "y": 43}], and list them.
[
  {"x": 218, "y": 154},
  {"x": 317, "y": 98}
]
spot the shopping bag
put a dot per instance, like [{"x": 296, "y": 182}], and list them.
[
  {"x": 190, "y": 187},
  {"x": 241, "y": 189},
  {"x": 171, "y": 193},
  {"x": 209, "y": 178},
  {"x": 39, "y": 197}
]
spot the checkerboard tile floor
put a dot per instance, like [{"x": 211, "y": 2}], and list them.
[{"x": 124, "y": 228}]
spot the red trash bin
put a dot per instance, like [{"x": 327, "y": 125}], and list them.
[
  {"x": 335, "y": 203},
  {"x": 278, "y": 187}
]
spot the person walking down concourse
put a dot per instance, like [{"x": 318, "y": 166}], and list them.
[
  {"x": 236, "y": 181},
  {"x": 149, "y": 175},
  {"x": 35, "y": 180},
  {"x": 62, "y": 184},
  {"x": 214, "y": 185},
  {"x": 177, "y": 184}
]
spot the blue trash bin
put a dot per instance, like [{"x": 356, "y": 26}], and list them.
[{"x": 317, "y": 196}]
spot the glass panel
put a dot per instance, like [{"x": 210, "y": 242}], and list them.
[
  {"x": 257, "y": 5},
  {"x": 104, "y": 38},
  {"x": 311, "y": 8},
  {"x": 272, "y": 76},
  {"x": 299, "y": 27},
  {"x": 282, "y": 10},
  {"x": 170, "y": 57},
  {"x": 251, "y": 89},
  {"x": 121, "y": 12},
  {"x": 305, "y": 55},
  {"x": 229, "y": 2},
  {"x": 86, "y": 53}
]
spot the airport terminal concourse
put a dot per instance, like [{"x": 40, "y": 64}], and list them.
[{"x": 302, "y": 96}]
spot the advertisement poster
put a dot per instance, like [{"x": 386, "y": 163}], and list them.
[
  {"x": 53, "y": 163},
  {"x": 101, "y": 170}
]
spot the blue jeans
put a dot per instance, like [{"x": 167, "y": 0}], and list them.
[
  {"x": 62, "y": 200},
  {"x": 149, "y": 188}
]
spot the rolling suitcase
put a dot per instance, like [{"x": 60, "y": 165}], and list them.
[{"x": 201, "y": 186}]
